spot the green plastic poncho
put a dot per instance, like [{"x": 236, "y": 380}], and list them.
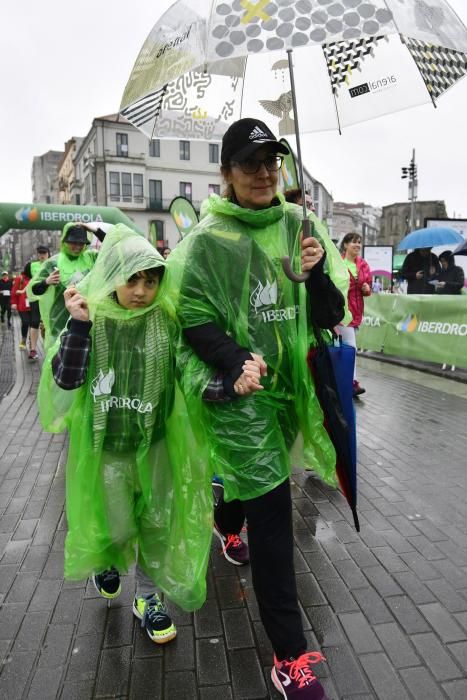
[
  {"x": 135, "y": 476},
  {"x": 52, "y": 305},
  {"x": 228, "y": 271}
]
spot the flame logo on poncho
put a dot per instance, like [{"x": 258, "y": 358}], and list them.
[
  {"x": 102, "y": 384},
  {"x": 264, "y": 295}
]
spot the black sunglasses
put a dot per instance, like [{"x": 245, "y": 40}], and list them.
[{"x": 250, "y": 166}]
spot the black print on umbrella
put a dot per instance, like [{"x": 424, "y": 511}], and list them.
[{"x": 285, "y": 23}]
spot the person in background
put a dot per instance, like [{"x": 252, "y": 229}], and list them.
[
  {"x": 20, "y": 302},
  {"x": 166, "y": 252},
  {"x": 419, "y": 269},
  {"x": 43, "y": 253},
  {"x": 377, "y": 287},
  {"x": 451, "y": 278},
  {"x": 63, "y": 270},
  {"x": 360, "y": 287},
  {"x": 6, "y": 285},
  {"x": 294, "y": 196}
]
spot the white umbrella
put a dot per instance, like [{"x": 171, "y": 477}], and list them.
[{"x": 329, "y": 63}]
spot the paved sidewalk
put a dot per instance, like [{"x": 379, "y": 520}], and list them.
[{"x": 388, "y": 607}]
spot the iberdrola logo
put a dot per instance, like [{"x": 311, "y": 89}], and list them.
[
  {"x": 182, "y": 220},
  {"x": 102, "y": 384},
  {"x": 409, "y": 324},
  {"x": 264, "y": 295},
  {"x": 27, "y": 214}
]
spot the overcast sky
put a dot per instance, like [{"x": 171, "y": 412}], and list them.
[{"x": 62, "y": 64}]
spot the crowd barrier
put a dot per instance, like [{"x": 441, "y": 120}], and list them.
[{"x": 423, "y": 327}]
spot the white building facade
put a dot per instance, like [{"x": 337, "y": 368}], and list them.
[{"x": 117, "y": 166}]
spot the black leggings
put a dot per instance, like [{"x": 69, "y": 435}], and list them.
[
  {"x": 5, "y": 308},
  {"x": 25, "y": 317},
  {"x": 35, "y": 315},
  {"x": 270, "y": 540}
]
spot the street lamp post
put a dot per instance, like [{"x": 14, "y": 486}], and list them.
[{"x": 411, "y": 173}]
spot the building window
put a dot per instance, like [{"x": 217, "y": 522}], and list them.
[
  {"x": 155, "y": 194},
  {"x": 214, "y": 189},
  {"x": 114, "y": 179},
  {"x": 155, "y": 148},
  {"x": 184, "y": 150},
  {"x": 77, "y": 199},
  {"x": 127, "y": 191},
  {"x": 138, "y": 187},
  {"x": 94, "y": 185},
  {"x": 213, "y": 152},
  {"x": 185, "y": 190},
  {"x": 122, "y": 145}
]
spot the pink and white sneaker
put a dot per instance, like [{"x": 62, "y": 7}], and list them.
[{"x": 295, "y": 679}]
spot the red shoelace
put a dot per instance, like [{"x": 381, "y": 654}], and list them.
[
  {"x": 299, "y": 669},
  {"x": 233, "y": 541}
]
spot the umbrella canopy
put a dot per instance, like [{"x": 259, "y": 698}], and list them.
[
  {"x": 461, "y": 249},
  {"x": 430, "y": 237},
  {"x": 205, "y": 62}
]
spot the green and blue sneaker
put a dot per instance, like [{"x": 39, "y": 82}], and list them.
[
  {"x": 154, "y": 618},
  {"x": 107, "y": 583}
]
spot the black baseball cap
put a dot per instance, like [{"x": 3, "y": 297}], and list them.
[
  {"x": 76, "y": 234},
  {"x": 43, "y": 249},
  {"x": 244, "y": 137}
]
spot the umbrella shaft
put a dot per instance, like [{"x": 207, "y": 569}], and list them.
[{"x": 297, "y": 134}]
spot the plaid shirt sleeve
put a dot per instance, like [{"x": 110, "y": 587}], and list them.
[
  {"x": 69, "y": 365},
  {"x": 215, "y": 391}
]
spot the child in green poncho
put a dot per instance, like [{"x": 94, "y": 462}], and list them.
[{"x": 136, "y": 480}]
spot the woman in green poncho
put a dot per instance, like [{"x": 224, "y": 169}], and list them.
[
  {"x": 243, "y": 317},
  {"x": 136, "y": 480}
]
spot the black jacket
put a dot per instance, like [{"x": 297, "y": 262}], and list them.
[
  {"x": 453, "y": 278},
  {"x": 416, "y": 262}
]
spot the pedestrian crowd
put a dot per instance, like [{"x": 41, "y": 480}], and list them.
[{"x": 183, "y": 375}]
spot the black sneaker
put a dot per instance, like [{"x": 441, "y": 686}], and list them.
[
  {"x": 108, "y": 583},
  {"x": 357, "y": 390},
  {"x": 154, "y": 618}
]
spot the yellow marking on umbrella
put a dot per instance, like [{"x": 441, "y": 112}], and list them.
[{"x": 254, "y": 11}]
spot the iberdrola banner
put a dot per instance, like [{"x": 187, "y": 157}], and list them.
[
  {"x": 184, "y": 215},
  {"x": 423, "y": 327},
  {"x": 289, "y": 169}
]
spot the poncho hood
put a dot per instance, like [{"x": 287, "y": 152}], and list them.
[
  {"x": 123, "y": 253},
  {"x": 256, "y": 218}
]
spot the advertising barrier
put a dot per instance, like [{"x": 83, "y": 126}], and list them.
[{"x": 418, "y": 326}]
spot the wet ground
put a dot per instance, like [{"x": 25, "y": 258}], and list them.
[{"x": 388, "y": 606}]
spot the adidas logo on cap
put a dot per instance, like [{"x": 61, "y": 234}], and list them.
[{"x": 258, "y": 133}]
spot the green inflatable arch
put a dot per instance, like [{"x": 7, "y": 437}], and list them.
[{"x": 52, "y": 217}]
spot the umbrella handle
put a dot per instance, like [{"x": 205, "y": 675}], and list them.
[{"x": 307, "y": 230}]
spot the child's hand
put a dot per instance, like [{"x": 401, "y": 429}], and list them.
[
  {"x": 76, "y": 304},
  {"x": 249, "y": 381}
]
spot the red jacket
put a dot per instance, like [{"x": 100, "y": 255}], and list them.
[
  {"x": 355, "y": 297},
  {"x": 20, "y": 300}
]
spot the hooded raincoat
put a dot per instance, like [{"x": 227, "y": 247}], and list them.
[
  {"x": 135, "y": 475},
  {"x": 72, "y": 268},
  {"x": 230, "y": 274}
]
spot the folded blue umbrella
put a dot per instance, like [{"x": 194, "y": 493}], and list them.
[
  {"x": 430, "y": 237},
  {"x": 332, "y": 367}
]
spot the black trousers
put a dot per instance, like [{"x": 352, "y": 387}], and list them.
[
  {"x": 5, "y": 308},
  {"x": 270, "y": 541},
  {"x": 25, "y": 317}
]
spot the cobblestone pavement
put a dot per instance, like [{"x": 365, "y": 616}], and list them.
[{"x": 388, "y": 607}]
